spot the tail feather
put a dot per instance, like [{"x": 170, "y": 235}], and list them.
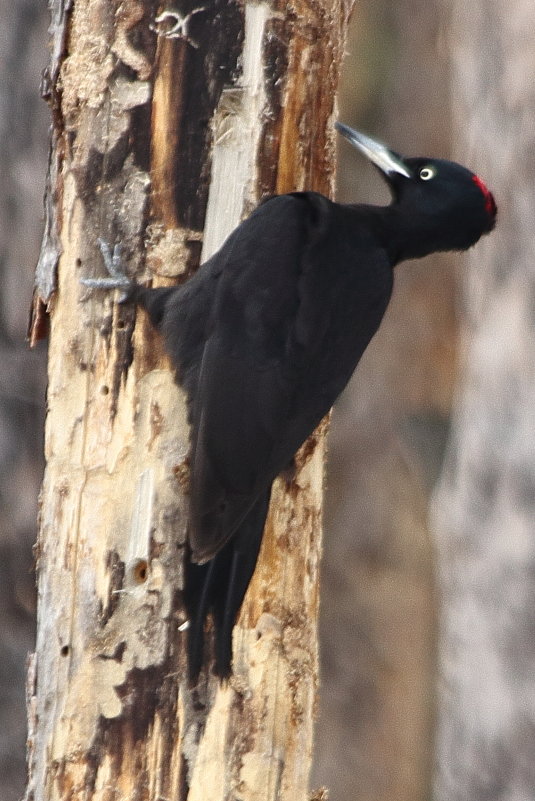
[
  {"x": 219, "y": 587},
  {"x": 199, "y": 582}
]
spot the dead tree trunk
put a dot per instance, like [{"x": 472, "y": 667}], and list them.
[
  {"x": 485, "y": 505},
  {"x": 165, "y": 125}
]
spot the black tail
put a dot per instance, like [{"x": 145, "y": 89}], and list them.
[{"x": 219, "y": 587}]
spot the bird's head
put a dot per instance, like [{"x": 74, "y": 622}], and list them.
[{"x": 438, "y": 204}]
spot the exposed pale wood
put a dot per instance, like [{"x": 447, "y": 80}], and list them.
[{"x": 111, "y": 716}]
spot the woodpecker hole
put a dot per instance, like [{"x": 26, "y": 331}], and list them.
[
  {"x": 65, "y": 650},
  {"x": 104, "y": 390},
  {"x": 140, "y": 571}
]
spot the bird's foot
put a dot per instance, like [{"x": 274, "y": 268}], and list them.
[
  {"x": 117, "y": 278},
  {"x": 179, "y": 25}
]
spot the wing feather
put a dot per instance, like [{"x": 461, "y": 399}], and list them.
[{"x": 250, "y": 367}]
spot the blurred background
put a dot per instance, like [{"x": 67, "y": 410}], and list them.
[
  {"x": 374, "y": 739},
  {"x": 428, "y": 620},
  {"x": 24, "y": 120}
]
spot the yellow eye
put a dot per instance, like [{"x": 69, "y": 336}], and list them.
[{"x": 426, "y": 173}]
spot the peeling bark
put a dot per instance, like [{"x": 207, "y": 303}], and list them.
[{"x": 154, "y": 139}]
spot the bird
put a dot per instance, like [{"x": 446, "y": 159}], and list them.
[{"x": 266, "y": 335}]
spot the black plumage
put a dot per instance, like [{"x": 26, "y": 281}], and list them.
[{"x": 265, "y": 337}]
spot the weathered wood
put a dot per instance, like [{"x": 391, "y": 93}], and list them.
[
  {"x": 485, "y": 505},
  {"x": 155, "y": 136}
]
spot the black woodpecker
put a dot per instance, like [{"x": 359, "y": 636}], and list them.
[{"x": 266, "y": 335}]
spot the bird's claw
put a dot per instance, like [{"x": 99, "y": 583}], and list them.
[
  {"x": 117, "y": 278},
  {"x": 179, "y": 25}
]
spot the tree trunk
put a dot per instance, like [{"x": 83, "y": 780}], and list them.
[
  {"x": 157, "y": 134},
  {"x": 485, "y": 505}
]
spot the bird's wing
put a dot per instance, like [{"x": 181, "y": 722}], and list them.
[{"x": 255, "y": 348}]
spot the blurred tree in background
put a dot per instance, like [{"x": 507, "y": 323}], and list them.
[
  {"x": 376, "y": 729},
  {"x": 484, "y": 514},
  {"x": 23, "y": 152}
]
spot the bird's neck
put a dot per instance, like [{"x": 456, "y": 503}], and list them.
[{"x": 402, "y": 236}]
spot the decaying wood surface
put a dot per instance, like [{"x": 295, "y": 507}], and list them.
[
  {"x": 155, "y": 139},
  {"x": 485, "y": 506}
]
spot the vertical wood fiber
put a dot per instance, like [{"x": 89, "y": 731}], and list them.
[{"x": 137, "y": 141}]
